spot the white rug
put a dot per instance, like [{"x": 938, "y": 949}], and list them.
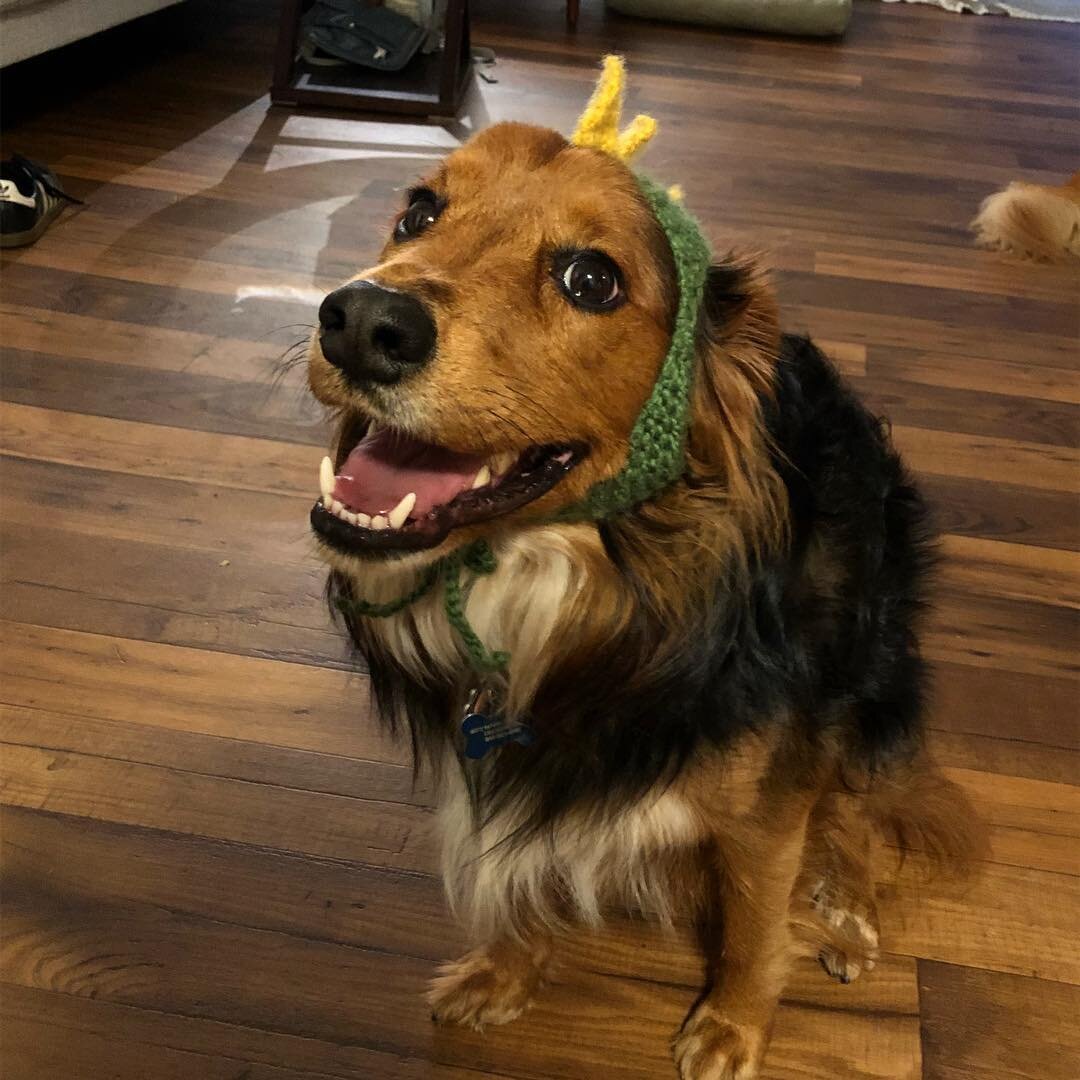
[{"x": 1053, "y": 10}]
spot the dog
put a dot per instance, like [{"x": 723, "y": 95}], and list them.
[
  {"x": 1034, "y": 221},
  {"x": 701, "y": 695}
]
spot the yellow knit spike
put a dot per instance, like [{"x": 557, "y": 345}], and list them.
[
  {"x": 641, "y": 130},
  {"x": 598, "y": 126},
  {"x": 675, "y": 193}
]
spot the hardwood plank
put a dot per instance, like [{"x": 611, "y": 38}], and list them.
[
  {"x": 364, "y": 906},
  {"x": 239, "y": 811},
  {"x": 267, "y": 701},
  {"x": 140, "y": 1039},
  {"x": 983, "y": 276},
  {"x": 1032, "y": 823},
  {"x": 981, "y": 1025},
  {"x": 170, "y": 594},
  {"x": 1010, "y": 571},
  {"x": 233, "y": 461},
  {"x": 198, "y": 275},
  {"x": 211, "y": 755},
  {"x": 997, "y": 511},
  {"x": 1004, "y": 704},
  {"x": 1037, "y": 639},
  {"x": 913, "y": 331},
  {"x": 38, "y": 1046},
  {"x": 142, "y": 304},
  {"x": 185, "y": 515},
  {"x": 1008, "y": 919},
  {"x": 180, "y": 399},
  {"x": 1005, "y": 756},
  {"x": 1007, "y": 461},
  {"x": 975, "y": 413},
  {"x": 1021, "y": 377},
  {"x": 87, "y": 337}
]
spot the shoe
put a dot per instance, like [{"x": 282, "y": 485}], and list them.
[{"x": 30, "y": 199}]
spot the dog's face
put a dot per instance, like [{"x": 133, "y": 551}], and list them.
[{"x": 489, "y": 369}]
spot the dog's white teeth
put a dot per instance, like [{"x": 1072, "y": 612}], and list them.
[
  {"x": 378, "y": 523},
  {"x": 326, "y": 480},
  {"x": 483, "y": 477},
  {"x": 338, "y": 510},
  {"x": 363, "y": 519},
  {"x": 403, "y": 509},
  {"x": 501, "y": 462}
]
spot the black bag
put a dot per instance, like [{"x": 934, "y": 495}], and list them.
[{"x": 347, "y": 32}]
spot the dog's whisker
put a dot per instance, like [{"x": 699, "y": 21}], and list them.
[
  {"x": 529, "y": 400},
  {"x": 507, "y": 421}
]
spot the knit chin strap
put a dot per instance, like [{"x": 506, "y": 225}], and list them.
[
  {"x": 657, "y": 453},
  {"x": 476, "y": 557}
]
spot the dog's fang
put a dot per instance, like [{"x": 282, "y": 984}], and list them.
[
  {"x": 483, "y": 478},
  {"x": 403, "y": 509},
  {"x": 326, "y": 480}
]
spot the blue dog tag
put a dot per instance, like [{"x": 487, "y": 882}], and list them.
[{"x": 485, "y": 729}]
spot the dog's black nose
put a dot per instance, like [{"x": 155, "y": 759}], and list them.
[{"x": 374, "y": 334}]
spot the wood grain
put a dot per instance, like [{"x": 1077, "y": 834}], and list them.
[{"x": 214, "y": 866}]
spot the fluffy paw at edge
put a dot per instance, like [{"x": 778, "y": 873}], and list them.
[
  {"x": 475, "y": 991},
  {"x": 709, "y": 1047}
]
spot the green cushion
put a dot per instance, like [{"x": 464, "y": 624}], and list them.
[{"x": 817, "y": 18}]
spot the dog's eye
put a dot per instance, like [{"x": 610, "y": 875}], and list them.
[
  {"x": 589, "y": 279},
  {"x": 422, "y": 213}
]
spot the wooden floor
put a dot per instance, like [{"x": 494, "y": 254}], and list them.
[{"x": 213, "y": 866}]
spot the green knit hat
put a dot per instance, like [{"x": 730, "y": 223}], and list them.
[{"x": 657, "y": 454}]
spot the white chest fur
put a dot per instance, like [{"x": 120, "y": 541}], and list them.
[
  {"x": 518, "y": 608},
  {"x": 582, "y": 863}
]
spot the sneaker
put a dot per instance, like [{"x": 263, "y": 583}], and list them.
[{"x": 30, "y": 198}]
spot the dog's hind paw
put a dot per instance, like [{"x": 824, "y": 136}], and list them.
[
  {"x": 852, "y": 947},
  {"x": 479, "y": 989},
  {"x": 710, "y": 1047},
  {"x": 846, "y": 967}
]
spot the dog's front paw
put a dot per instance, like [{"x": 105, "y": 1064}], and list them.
[
  {"x": 478, "y": 990},
  {"x": 711, "y": 1047}
]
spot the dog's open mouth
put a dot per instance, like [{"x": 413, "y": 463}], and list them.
[{"x": 394, "y": 492}]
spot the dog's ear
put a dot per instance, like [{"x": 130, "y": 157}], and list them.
[
  {"x": 738, "y": 302},
  {"x": 738, "y": 339},
  {"x": 738, "y": 344}
]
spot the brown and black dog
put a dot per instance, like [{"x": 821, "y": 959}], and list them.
[{"x": 722, "y": 686}]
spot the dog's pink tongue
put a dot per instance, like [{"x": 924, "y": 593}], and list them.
[{"x": 386, "y": 466}]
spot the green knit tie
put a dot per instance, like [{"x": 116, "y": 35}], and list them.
[{"x": 476, "y": 557}]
